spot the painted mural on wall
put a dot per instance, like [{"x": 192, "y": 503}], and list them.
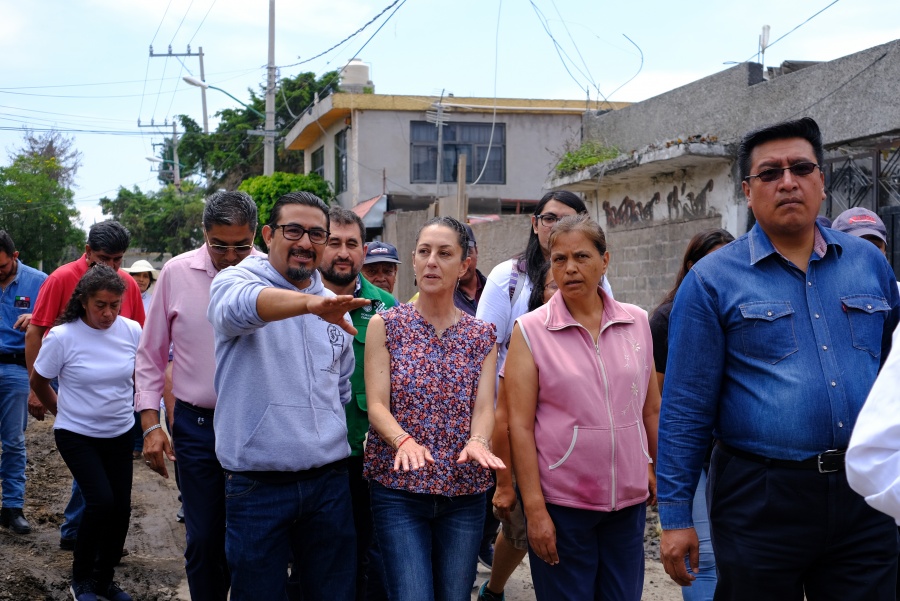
[{"x": 681, "y": 204}]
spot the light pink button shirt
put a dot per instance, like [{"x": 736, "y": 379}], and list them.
[{"x": 177, "y": 315}]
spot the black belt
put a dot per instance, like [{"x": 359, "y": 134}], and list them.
[
  {"x": 825, "y": 463},
  {"x": 291, "y": 477},
  {"x": 201, "y": 410},
  {"x": 12, "y": 359}
]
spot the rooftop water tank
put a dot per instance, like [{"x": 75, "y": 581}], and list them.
[{"x": 355, "y": 78}]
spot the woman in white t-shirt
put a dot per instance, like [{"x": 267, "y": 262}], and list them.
[{"x": 91, "y": 350}]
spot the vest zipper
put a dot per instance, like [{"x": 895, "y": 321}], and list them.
[{"x": 612, "y": 429}]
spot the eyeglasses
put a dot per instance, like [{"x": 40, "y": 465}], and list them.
[
  {"x": 547, "y": 219},
  {"x": 220, "y": 249},
  {"x": 552, "y": 286},
  {"x": 773, "y": 175},
  {"x": 292, "y": 231}
]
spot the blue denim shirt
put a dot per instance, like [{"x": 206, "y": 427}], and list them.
[
  {"x": 18, "y": 298},
  {"x": 768, "y": 359}
]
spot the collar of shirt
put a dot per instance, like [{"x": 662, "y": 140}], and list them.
[{"x": 761, "y": 246}]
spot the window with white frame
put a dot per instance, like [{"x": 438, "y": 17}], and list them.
[
  {"x": 317, "y": 162},
  {"x": 459, "y": 138},
  {"x": 340, "y": 162}
]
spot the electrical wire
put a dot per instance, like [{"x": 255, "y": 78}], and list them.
[
  {"x": 835, "y": 90},
  {"x": 177, "y": 29},
  {"x": 640, "y": 68},
  {"x": 487, "y": 156},
  {"x": 577, "y": 51},
  {"x": 559, "y": 50},
  {"x": 345, "y": 40},
  {"x": 794, "y": 29},
  {"x": 202, "y": 22},
  {"x": 338, "y": 72}
]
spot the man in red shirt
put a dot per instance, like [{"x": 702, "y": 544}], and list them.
[{"x": 107, "y": 242}]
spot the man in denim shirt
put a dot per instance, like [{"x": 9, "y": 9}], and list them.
[{"x": 774, "y": 343}]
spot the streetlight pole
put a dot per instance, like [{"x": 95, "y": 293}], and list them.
[{"x": 202, "y": 84}]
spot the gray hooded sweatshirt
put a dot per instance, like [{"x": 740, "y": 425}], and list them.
[{"x": 281, "y": 385}]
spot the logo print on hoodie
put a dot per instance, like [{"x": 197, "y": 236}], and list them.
[{"x": 336, "y": 337}]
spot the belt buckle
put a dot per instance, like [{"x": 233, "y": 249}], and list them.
[{"x": 826, "y": 454}]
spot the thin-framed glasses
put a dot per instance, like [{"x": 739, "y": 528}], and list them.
[
  {"x": 547, "y": 219},
  {"x": 292, "y": 231},
  {"x": 221, "y": 249},
  {"x": 775, "y": 174}
]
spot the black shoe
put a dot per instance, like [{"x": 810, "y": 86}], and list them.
[
  {"x": 67, "y": 544},
  {"x": 12, "y": 518}
]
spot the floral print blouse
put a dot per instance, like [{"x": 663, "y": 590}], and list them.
[{"x": 434, "y": 382}]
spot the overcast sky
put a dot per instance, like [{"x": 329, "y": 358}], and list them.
[{"x": 83, "y": 67}]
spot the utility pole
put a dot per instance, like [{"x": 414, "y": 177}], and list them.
[
  {"x": 176, "y": 170},
  {"x": 269, "y": 141}
]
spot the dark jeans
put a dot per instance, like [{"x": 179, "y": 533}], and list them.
[
  {"x": 601, "y": 555},
  {"x": 429, "y": 543},
  {"x": 369, "y": 577},
  {"x": 311, "y": 519},
  {"x": 779, "y": 533},
  {"x": 202, "y": 484},
  {"x": 103, "y": 469}
]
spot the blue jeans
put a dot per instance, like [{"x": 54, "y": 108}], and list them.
[
  {"x": 202, "y": 485},
  {"x": 429, "y": 543},
  {"x": 704, "y": 587},
  {"x": 601, "y": 555},
  {"x": 310, "y": 518},
  {"x": 13, "y": 419}
]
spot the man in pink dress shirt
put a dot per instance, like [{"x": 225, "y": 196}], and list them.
[{"x": 177, "y": 318}]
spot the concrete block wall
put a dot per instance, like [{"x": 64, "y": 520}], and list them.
[
  {"x": 497, "y": 242},
  {"x": 644, "y": 260}
]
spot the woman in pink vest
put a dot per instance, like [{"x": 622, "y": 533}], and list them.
[{"x": 583, "y": 417}]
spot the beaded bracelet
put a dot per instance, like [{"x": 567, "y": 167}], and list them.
[
  {"x": 481, "y": 439},
  {"x": 151, "y": 429}
]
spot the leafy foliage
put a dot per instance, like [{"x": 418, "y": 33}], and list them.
[
  {"x": 162, "y": 221},
  {"x": 229, "y": 154},
  {"x": 265, "y": 190},
  {"x": 56, "y": 146},
  {"x": 37, "y": 210},
  {"x": 589, "y": 153}
]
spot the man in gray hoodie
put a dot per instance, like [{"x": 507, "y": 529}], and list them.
[{"x": 284, "y": 357}]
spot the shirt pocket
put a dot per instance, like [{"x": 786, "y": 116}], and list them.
[
  {"x": 767, "y": 331},
  {"x": 867, "y": 314}
]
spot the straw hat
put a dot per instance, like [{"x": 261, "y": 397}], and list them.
[{"x": 142, "y": 266}]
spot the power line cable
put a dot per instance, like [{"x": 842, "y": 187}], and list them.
[
  {"x": 577, "y": 51},
  {"x": 345, "y": 40},
  {"x": 838, "y": 88},
  {"x": 125, "y": 81},
  {"x": 177, "y": 29},
  {"x": 559, "y": 51},
  {"x": 794, "y": 29},
  {"x": 202, "y": 22},
  {"x": 487, "y": 156}
]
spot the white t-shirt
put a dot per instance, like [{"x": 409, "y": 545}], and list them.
[{"x": 95, "y": 370}]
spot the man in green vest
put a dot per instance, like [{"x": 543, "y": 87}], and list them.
[{"x": 342, "y": 259}]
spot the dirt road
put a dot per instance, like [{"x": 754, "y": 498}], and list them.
[{"x": 34, "y": 567}]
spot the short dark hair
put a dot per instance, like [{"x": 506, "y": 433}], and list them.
[
  {"x": 298, "y": 198},
  {"x": 462, "y": 236},
  {"x": 805, "y": 128},
  {"x": 6, "y": 244},
  {"x": 536, "y": 299},
  {"x": 230, "y": 208},
  {"x": 108, "y": 236},
  {"x": 342, "y": 216},
  {"x": 99, "y": 277}
]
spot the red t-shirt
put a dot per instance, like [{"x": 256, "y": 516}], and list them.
[{"x": 57, "y": 289}]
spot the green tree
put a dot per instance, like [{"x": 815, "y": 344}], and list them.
[
  {"x": 231, "y": 155},
  {"x": 164, "y": 221},
  {"x": 37, "y": 210},
  {"x": 265, "y": 190}
]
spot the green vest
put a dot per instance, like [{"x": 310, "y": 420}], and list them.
[{"x": 357, "y": 409}]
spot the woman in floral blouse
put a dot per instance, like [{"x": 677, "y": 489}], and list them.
[{"x": 428, "y": 457}]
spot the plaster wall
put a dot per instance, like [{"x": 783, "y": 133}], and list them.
[{"x": 378, "y": 143}]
